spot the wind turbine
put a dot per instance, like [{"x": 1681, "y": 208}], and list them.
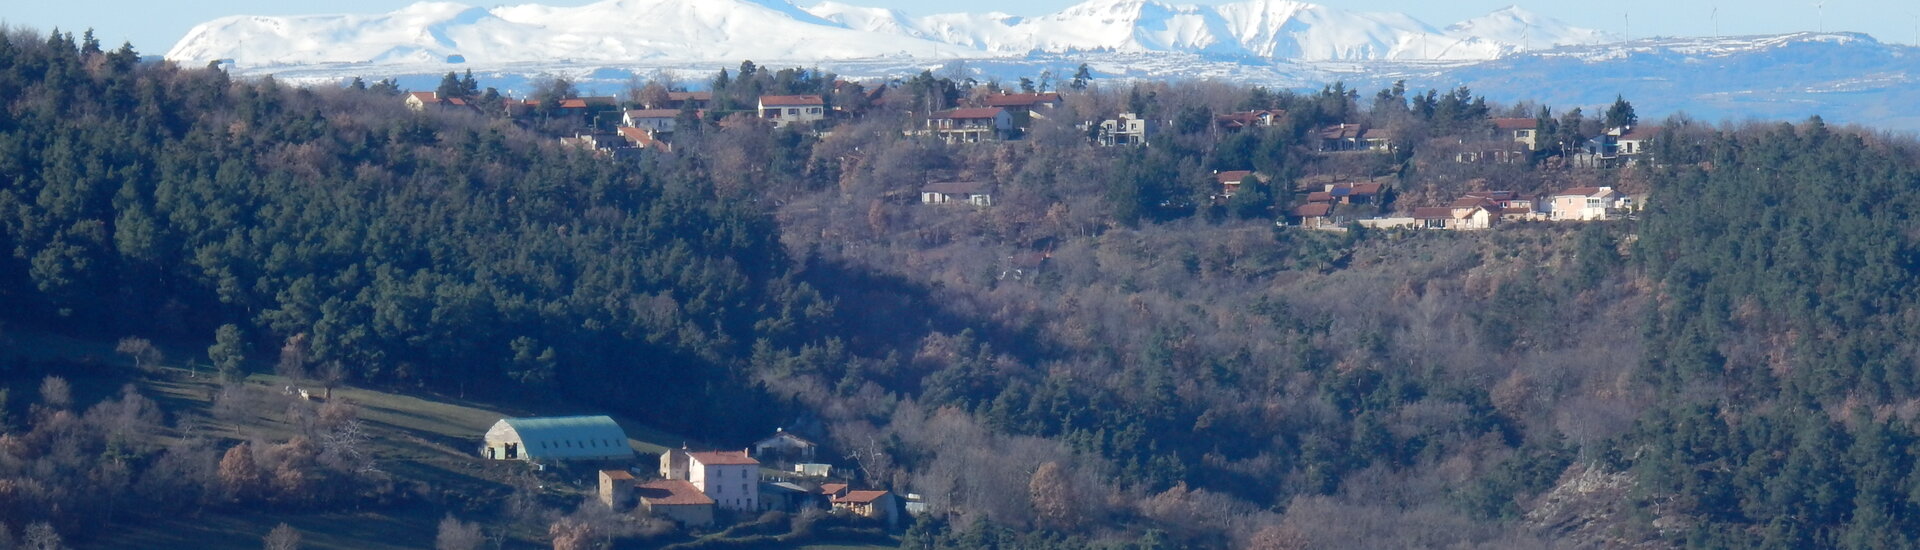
[
  {"x": 1822, "y": 6},
  {"x": 1716, "y": 20}
]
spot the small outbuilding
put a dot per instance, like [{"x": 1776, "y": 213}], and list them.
[
  {"x": 783, "y": 446},
  {"x": 557, "y": 438},
  {"x": 676, "y": 499},
  {"x": 879, "y": 505}
]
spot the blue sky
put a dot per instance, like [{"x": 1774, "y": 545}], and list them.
[{"x": 153, "y": 26}]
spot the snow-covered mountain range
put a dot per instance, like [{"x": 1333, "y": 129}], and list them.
[
  {"x": 1508, "y": 55},
  {"x": 731, "y": 30}
]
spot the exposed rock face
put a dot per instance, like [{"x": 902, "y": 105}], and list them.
[{"x": 1595, "y": 508}]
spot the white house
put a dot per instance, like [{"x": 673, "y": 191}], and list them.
[
  {"x": 784, "y": 445},
  {"x": 730, "y": 478},
  {"x": 957, "y": 192},
  {"x": 1634, "y": 141},
  {"x": 971, "y": 125},
  {"x": 1129, "y": 129},
  {"x": 792, "y": 109},
  {"x": 653, "y": 120}
]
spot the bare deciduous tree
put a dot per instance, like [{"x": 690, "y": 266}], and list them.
[
  {"x": 458, "y": 535},
  {"x": 145, "y": 356},
  {"x": 55, "y": 394},
  {"x": 41, "y": 536},
  {"x": 282, "y": 537}
]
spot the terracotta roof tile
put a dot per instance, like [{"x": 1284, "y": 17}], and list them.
[
  {"x": 861, "y": 497},
  {"x": 1233, "y": 176},
  {"x": 792, "y": 100},
  {"x": 724, "y": 458},
  {"x": 969, "y": 114},
  {"x": 1313, "y": 210},
  {"x": 671, "y": 492}
]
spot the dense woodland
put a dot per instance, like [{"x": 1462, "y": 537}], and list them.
[{"x": 1107, "y": 358}]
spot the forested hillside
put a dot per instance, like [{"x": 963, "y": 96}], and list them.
[
  {"x": 455, "y": 252},
  {"x": 1106, "y": 358}
]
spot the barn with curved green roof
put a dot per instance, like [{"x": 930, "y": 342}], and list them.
[{"x": 557, "y": 438}]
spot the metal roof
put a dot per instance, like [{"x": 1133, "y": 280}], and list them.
[{"x": 564, "y": 437}]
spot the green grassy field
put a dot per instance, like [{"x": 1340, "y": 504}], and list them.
[{"x": 426, "y": 440}]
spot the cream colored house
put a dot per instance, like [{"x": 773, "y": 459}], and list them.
[
  {"x": 1520, "y": 130},
  {"x": 1585, "y": 204},
  {"x": 792, "y": 109},
  {"x": 880, "y": 505}
]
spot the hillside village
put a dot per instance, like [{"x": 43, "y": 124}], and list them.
[
  {"x": 697, "y": 489},
  {"x": 701, "y": 489},
  {"x": 626, "y": 128}
]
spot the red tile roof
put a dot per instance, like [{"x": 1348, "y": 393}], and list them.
[
  {"x": 970, "y": 114},
  {"x": 1433, "y": 213},
  {"x": 1022, "y": 100},
  {"x": 1313, "y": 210},
  {"x": 639, "y": 137},
  {"x": 1516, "y": 123},
  {"x": 672, "y": 492},
  {"x": 425, "y": 96},
  {"x": 1320, "y": 196},
  {"x": 832, "y": 488},
  {"x": 584, "y": 102},
  {"x": 617, "y": 474},
  {"x": 1233, "y": 176},
  {"x": 861, "y": 497},
  {"x": 792, "y": 100},
  {"x": 724, "y": 458},
  {"x": 1365, "y": 188},
  {"x": 696, "y": 96},
  {"x": 1642, "y": 133}
]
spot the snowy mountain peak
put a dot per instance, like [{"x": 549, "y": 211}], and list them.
[
  {"x": 769, "y": 30},
  {"x": 1526, "y": 30}
]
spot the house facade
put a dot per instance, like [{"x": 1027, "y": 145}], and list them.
[
  {"x": 1128, "y": 129},
  {"x": 1230, "y": 181},
  {"x": 973, "y": 125},
  {"x": 1585, "y": 204},
  {"x": 784, "y": 446},
  {"x": 880, "y": 505},
  {"x": 730, "y": 478},
  {"x": 653, "y": 120},
  {"x": 976, "y": 193},
  {"x": 783, "y": 110},
  {"x": 1520, "y": 130}
]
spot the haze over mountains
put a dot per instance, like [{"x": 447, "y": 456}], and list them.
[{"x": 730, "y": 30}]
